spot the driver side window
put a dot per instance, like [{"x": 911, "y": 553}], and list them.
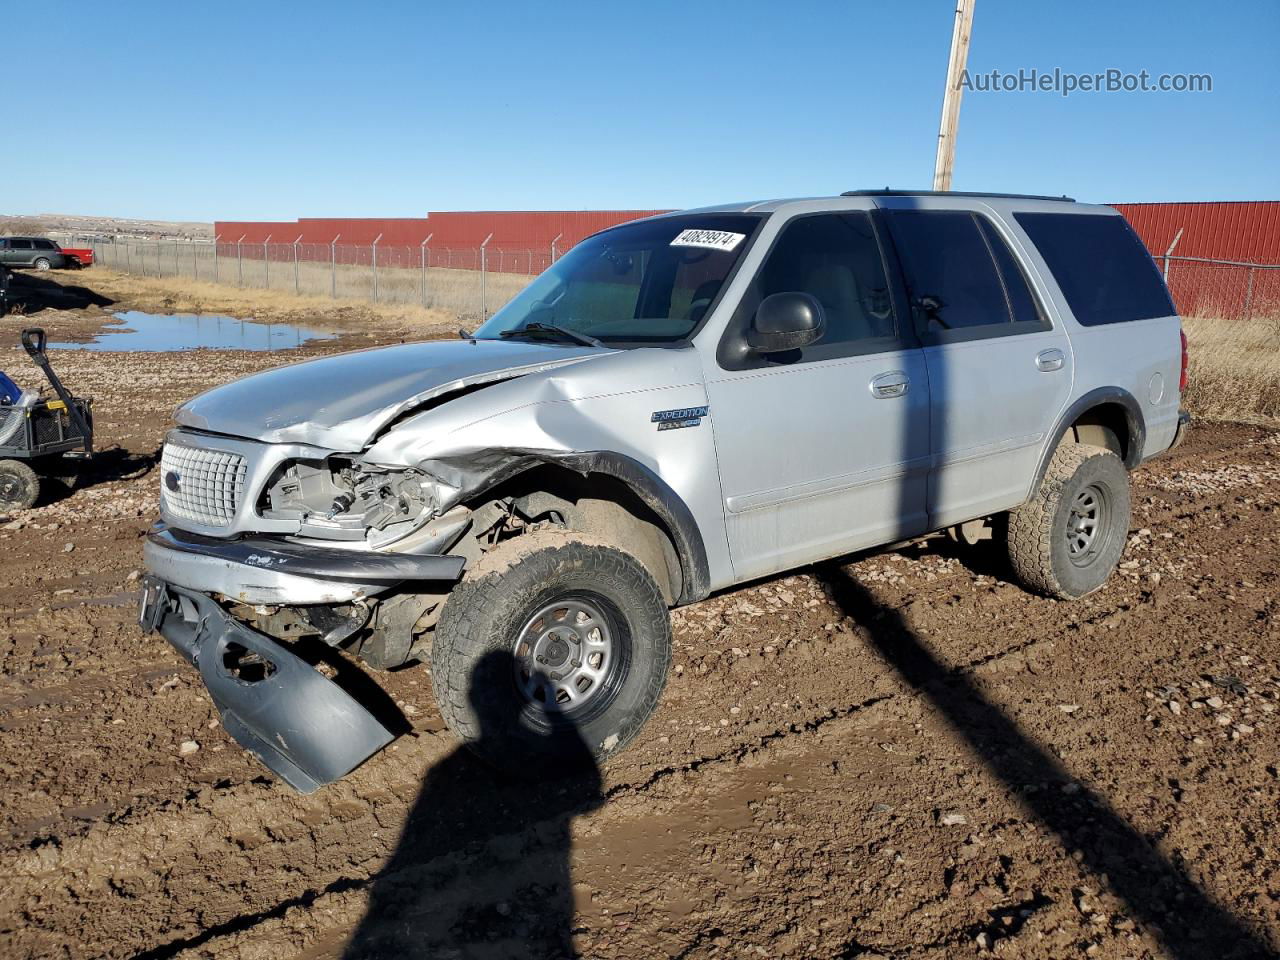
[{"x": 836, "y": 258}]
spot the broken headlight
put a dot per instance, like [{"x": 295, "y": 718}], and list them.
[{"x": 340, "y": 498}]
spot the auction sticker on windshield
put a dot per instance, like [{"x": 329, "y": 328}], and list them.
[{"x": 711, "y": 239}]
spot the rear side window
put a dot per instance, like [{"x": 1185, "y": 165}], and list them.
[
  {"x": 1102, "y": 268},
  {"x": 961, "y": 276},
  {"x": 44, "y": 244},
  {"x": 1022, "y": 305}
]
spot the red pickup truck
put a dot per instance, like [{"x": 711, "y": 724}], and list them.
[{"x": 78, "y": 257}]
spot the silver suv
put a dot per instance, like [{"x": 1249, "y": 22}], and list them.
[{"x": 678, "y": 405}]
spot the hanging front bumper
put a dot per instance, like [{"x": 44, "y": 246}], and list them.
[
  {"x": 275, "y": 704},
  {"x": 269, "y": 570}
]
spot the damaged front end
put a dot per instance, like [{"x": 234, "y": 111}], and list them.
[
  {"x": 341, "y": 526},
  {"x": 274, "y": 703},
  {"x": 270, "y": 554},
  {"x": 254, "y": 615}
]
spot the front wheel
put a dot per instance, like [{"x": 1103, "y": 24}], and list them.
[
  {"x": 552, "y": 653},
  {"x": 1068, "y": 537},
  {"x": 42, "y": 263},
  {"x": 19, "y": 485}
]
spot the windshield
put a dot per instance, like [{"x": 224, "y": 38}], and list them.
[{"x": 649, "y": 281}]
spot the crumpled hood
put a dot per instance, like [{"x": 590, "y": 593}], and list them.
[{"x": 341, "y": 402}]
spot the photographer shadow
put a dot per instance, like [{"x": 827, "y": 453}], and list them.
[
  {"x": 1160, "y": 893},
  {"x": 482, "y": 868}
]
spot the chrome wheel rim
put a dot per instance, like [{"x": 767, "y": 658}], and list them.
[
  {"x": 564, "y": 655},
  {"x": 1087, "y": 524}
]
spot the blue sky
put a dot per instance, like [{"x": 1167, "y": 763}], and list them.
[{"x": 277, "y": 110}]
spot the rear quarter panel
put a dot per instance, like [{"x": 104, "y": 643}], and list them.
[
  {"x": 1142, "y": 357},
  {"x": 1145, "y": 358}
]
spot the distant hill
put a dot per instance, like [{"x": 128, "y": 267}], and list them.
[{"x": 62, "y": 223}]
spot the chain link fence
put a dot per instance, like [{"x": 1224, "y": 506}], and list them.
[
  {"x": 470, "y": 282},
  {"x": 1223, "y": 289}
]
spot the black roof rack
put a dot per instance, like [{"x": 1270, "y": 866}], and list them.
[{"x": 886, "y": 192}]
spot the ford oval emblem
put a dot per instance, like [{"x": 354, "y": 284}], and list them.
[{"x": 173, "y": 481}]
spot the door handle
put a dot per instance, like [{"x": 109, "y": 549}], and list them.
[
  {"x": 889, "y": 385},
  {"x": 1050, "y": 360}
]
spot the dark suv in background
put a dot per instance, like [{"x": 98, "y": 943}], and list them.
[{"x": 35, "y": 252}]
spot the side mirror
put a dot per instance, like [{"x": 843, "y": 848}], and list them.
[
  {"x": 786, "y": 321},
  {"x": 931, "y": 307}
]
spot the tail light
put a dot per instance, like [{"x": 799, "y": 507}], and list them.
[{"x": 1182, "y": 380}]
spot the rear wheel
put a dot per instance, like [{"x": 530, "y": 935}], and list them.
[
  {"x": 19, "y": 485},
  {"x": 42, "y": 263},
  {"x": 552, "y": 653},
  {"x": 1066, "y": 540}
]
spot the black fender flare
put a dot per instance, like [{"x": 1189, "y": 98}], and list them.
[
  {"x": 1134, "y": 421},
  {"x": 500, "y": 465}
]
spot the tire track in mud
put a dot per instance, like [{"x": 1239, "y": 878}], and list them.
[
  {"x": 760, "y": 750},
  {"x": 796, "y": 731},
  {"x": 136, "y": 807},
  {"x": 297, "y": 856}
]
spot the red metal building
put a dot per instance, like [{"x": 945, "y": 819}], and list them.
[
  {"x": 511, "y": 230},
  {"x": 1246, "y": 230}
]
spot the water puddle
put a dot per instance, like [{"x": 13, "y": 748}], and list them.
[{"x": 137, "y": 332}]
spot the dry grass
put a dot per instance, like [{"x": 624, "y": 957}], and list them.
[
  {"x": 457, "y": 291},
  {"x": 22, "y": 226},
  {"x": 1234, "y": 369},
  {"x": 451, "y": 289},
  {"x": 184, "y": 295}
]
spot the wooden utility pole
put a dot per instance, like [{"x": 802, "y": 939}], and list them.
[{"x": 942, "y": 166}]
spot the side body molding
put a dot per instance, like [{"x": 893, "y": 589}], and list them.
[{"x": 1134, "y": 420}]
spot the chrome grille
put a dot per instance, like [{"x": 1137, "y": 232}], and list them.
[{"x": 203, "y": 486}]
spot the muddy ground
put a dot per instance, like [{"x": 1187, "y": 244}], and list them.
[{"x": 899, "y": 755}]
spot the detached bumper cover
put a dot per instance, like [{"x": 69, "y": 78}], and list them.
[
  {"x": 276, "y": 705},
  {"x": 277, "y": 571}
]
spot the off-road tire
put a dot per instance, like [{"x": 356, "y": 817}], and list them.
[
  {"x": 472, "y": 663},
  {"x": 43, "y": 263},
  {"x": 1038, "y": 541},
  {"x": 19, "y": 485}
]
